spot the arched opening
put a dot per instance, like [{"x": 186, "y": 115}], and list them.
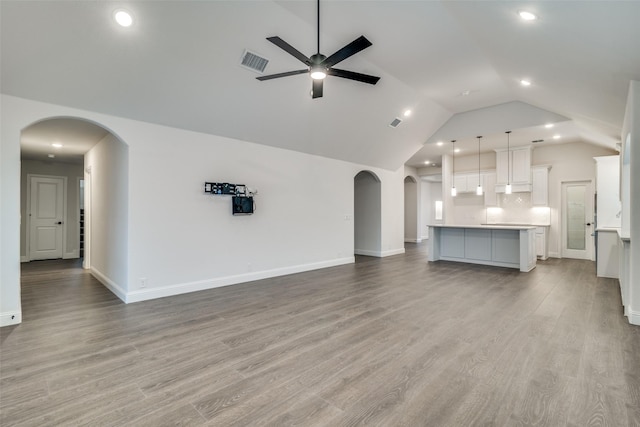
[
  {"x": 411, "y": 210},
  {"x": 74, "y": 197},
  {"x": 367, "y": 214}
]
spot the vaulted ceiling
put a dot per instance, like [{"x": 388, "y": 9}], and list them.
[{"x": 449, "y": 62}]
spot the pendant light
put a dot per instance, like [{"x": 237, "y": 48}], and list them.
[
  {"x": 454, "y": 192},
  {"x": 507, "y": 189},
  {"x": 479, "y": 189}
]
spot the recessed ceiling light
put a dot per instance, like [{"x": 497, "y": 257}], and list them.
[
  {"x": 123, "y": 18},
  {"x": 56, "y": 145},
  {"x": 407, "y": 113},
  {"x": 439, "y": 143},
  {"x": 556, "y": 136},
  {"x": 465, "y": 93},
  {"x": 426, "y": 162},
  {"x": 51, "y": 156},
  {"x": 549, "y": 125},
  {"x": 527, "y": 16},
  {"x": 457, "y": 150},
  {"x": 525, "y": 82}
]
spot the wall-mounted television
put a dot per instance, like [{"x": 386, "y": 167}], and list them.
[{"x": 242, "y": 205}]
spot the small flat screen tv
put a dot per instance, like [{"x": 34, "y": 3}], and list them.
[{"x": 242, "y": 205}]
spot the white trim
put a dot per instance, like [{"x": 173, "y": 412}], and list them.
[
  {"x": 379, "y": 254},
  {"x": 109, "y": 284},
  {"x": 391, "y": 252},
  {"x": 200, "y": 285},
  {"x": 366, "y": 252},
  {"x": 634, "y": 317},
  {"x": 554, "y": 255},
  {"x": 10, "y": 318},
  {"x": 24, "y": 259},
  {"x": 412, "y": 240}
]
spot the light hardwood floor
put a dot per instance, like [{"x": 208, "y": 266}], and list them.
[{"x": 389, "y": 342}]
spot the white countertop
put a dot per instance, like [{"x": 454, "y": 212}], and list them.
[
  {"x": 487, "y": 226},
  {"x": 518, "y": 224}
]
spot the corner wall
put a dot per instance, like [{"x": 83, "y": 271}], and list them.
[{"x": 107, "y": 183}]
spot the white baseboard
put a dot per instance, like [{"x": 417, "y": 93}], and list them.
[
  {"x": 109, "y": 284},
  {"x": 183, "y": 288},
  {"x": 634, "y": 317},
  {"x": 412, "y": 240},
  {"x": 390, "y": 252},
  {"x": 425, "y": 237},
  {"x": 24, "y": 259},
  {"x": 10, "y": 318},
  {"x": 379, "y": 254},
  {"x": 554, "y": 255}
]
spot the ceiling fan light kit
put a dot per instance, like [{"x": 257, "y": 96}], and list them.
[{"x": 321, "y": 66}]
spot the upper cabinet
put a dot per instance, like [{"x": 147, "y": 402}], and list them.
[
  {"x": 513, "y": 166},
  {"x": 540, "y": 185},
  {"x": 466, "y": 182}
]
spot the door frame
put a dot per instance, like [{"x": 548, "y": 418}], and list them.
[
  {"x": 30, "y": 176},
  {"x": 590, "y": 243}
]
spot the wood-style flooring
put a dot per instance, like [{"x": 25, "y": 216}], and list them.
[{"x": 383, "y": 342}]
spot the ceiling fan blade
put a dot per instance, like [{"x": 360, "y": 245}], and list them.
[
  {"x": 289, "y": 49},
  {"x": 351, "y": 49},
  {"x": 316, "y": 89},
  {"x": 364, "y": 78},
  {"x": 287, "y": 74}
]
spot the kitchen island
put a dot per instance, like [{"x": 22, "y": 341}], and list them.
[{"x": 497, "y": 245}]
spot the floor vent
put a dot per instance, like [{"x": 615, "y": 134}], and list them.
[
  {"x": 253, "y": 62},
  {"x": 395, "y": 123}
]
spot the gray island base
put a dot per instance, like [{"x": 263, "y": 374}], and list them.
[{"x": 501, "y": 246}]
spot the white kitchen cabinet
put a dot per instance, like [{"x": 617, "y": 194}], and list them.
[
  {"x": 609, "y": 207},
  {"x": 489, "y": 183},
  {"x": 607, "y": 261},
  {"x": 466, "y": 182},
  {"x": 540, "y": 185},
  {"x": 542, "y": 246},
  {"x": 514, "y": 167}
]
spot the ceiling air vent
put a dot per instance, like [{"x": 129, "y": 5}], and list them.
[
  {"x": 395, "y": 123},
  {"x": 253, "y": 62}
]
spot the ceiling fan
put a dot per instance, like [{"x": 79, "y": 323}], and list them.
[{"x": 321, "y": 66}]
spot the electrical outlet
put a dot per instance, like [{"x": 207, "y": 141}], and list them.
[{"x": 143, "y": 282}]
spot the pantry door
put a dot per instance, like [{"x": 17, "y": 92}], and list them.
[{"x": 577, "y": 220}]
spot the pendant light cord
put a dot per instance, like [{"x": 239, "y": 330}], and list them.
[
  {"x": 318, "y": 27},
  {"x": 508, "y": 159},
  {"x": 479, "y": 160}
]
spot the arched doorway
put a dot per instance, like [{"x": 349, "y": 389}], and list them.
[
  {"x": 92, "y": 162},
  {"x": 367, "y": 214},
  {"x": 411, "y": 216}
]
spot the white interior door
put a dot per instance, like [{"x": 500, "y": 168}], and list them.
[
  {"x": 46, "y": 217},
  {"x": 577, "y": 220}
]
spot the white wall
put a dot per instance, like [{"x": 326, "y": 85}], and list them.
[
  {"x": 73, "y": 173},
  {"x": 411, "y": 210},
  {"x": 182, "y": 240},
  {"x": 367, "y": 215},
  {"x": 430, "y": 192},
  {"x": 631, "y": 200},
  {"x": 107, "y": 183}
]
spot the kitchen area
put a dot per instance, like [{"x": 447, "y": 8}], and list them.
[{"x": 547, "y": 192}]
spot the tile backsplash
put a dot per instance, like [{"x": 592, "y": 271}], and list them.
[{"x": 516, "y": 208}]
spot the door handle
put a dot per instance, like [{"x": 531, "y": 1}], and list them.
[
  {"x": 588, "y": 224},
  {"x": 59, "y": 222}
]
